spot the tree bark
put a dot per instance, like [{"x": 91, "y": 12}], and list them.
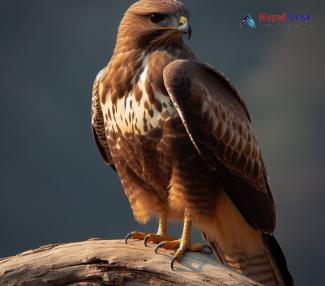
[{"x": 103, "y": 262}]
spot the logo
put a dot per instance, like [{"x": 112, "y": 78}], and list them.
[
  {"x": 287, "y": 20},
  {"x": 284, "y": 17},
  {"x": 248, "y": 22}
]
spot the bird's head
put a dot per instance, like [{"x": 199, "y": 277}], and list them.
[{"x": 153, "y": 24}]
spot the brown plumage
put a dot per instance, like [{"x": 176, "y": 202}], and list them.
[{"x": 181, "y": 140}]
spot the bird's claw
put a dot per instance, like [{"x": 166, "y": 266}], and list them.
[
  {"x": 159, "y": 245},
  {"x": 181, "y": 250},
  {"x": 207, "y": 249},
  {"x": 178, "y": 256},
  {"x": 128, "y": 236},
  {"x": 172, "y": 263},
  {"x": 145, "y": 241},
  {"x": 168, "y": 245},
  {"x": 156, "y": 238},
  {"x": 135, "y": 235},
  {"x": 147, "y": 237}
]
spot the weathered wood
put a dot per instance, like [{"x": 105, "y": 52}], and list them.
[{"x": 103, "y": 262}]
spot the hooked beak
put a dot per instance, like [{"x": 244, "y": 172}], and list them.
[{"x": 184, "y": 26}]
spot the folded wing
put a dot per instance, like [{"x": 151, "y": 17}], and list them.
[
  {"x": 218, "y": 123},
  {"x": 97, "y": 121}
]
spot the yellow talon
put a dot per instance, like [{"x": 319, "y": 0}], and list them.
[
  {"x": 183, "y": 245},
  {"x": 156, "y": 238},
  {"x": 135, "y": 235},
  {"x": 161, "y": 235}
]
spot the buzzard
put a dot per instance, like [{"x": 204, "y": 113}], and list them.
[{"x": 180, "y": 138}]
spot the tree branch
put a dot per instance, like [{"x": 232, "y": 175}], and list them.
[{"x": 103, "y": 262}]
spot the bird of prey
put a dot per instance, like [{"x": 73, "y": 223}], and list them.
[{"x": 180, "y": 138}]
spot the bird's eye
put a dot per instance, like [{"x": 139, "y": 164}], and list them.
[{"x": 156, "y": 18}]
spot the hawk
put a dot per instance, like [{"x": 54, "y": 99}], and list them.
[{"x": 180, "y": 138}]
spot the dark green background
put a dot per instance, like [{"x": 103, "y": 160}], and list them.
[{"x": 54, "y": 187}]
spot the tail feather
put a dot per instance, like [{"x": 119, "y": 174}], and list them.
[
  {"x": 279, "y": 258},
  {"x": 242, "y": 248},
  {"x": 259, "y": 268}
]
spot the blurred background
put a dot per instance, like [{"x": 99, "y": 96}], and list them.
[{"x": 54, "y": 187}]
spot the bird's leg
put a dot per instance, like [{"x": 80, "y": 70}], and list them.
[
  {"x": 184, "y": 244},
  {"x": 160, "y": 236}
]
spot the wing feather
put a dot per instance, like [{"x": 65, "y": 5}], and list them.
[
  {"x": 98, "y": 125},
  {"x": 218, "y": 123}
]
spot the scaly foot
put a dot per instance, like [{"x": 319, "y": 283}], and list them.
[
  {"x": 135, "y": 235},
  {"x": 156, "y": 238},
  {"x": 148, "y": 237},
  {"x": 182, "y": 247}
]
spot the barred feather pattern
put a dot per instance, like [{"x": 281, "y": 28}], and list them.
[{"x": 180, "y": 137}]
